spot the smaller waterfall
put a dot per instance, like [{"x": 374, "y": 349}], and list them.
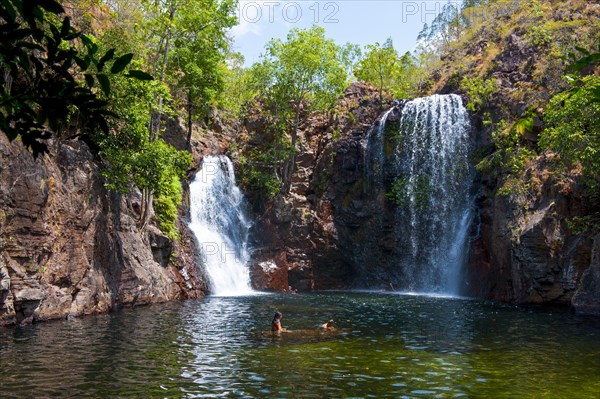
[{"x": 220, "y": 224}]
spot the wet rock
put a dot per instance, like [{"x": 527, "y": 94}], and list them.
[
  {"x": 587, "y": 298},
  {"x": 269, "y": 272},
  {"x": 524, "y": 251}
]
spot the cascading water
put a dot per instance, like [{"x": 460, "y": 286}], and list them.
[
  {"x": 431, "y": 191},
  {"x": 220, "y": 224}
]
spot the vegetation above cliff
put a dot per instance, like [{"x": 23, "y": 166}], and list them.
[
  {"x": 530, "y": 72},
  {"x": 116, "y": 71}
]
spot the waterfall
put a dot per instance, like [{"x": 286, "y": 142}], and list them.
[
  {"x": 220, "y": 224},
  {"x": 431, "y": 188}
]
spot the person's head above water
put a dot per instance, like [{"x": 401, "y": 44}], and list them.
[{"x": 277, "y": 316}]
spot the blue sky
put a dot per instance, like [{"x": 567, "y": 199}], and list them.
[{"x": 356, "y": 21}]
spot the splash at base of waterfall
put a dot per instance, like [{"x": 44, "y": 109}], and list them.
[{"x": 220, "y": 223}]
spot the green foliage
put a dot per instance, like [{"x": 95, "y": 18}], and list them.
[
  {"x": 132, "y": 159},
  {"x": 238, "y": 93},
  {"x": 539, "y": 36},
  {"x": 573, "y": 128},
  {"x": 45, "y": 78},
  {"x": 297, "y": 77},
  {"x": 479, "y": 90},
  {"x": 582, "y": 224},
  {"x": 306, "y": 68},
  {"x": 132, "y": 102},
  {"x": 158, "y": 167},
  {"x": 446, "y": 27},
  {"x": 350, "y": 55},
  {"x": 579, "y": 63},
  {"x": 259, "y": 171},
  {"x": 166, "y": 203},
  {"x": 194, "y": 66},
  {"x": 387, "y": 70}
]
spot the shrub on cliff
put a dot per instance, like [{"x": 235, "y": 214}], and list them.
[{"x": 573, "y": 129}]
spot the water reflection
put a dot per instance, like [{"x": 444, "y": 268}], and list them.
[{"x": 386, "y": 346}]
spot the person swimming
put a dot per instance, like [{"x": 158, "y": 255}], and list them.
[
  {"x": 327, "y": 326},
  {"x": 276, "y": 323}
]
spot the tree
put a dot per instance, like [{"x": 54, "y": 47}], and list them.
[
  {"x": 378, "y": 66},
  {"x": 238, "y": 92},
  {"x": 200, "y": 47},
  {"x": 351, "y": 54},
  {"x": 50, "y": 73},
  {"x": 383, "y": 67},
  {"x": 183, "y": 44},
  {"x": 187, "y": 45},
  {"x": 297, "y": 77},
  {"x": 447, "y": 26}
]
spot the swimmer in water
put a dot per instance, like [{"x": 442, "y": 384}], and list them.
[
  {"x": 276, "y": 323},
  {"x": 328, "y": 326}
]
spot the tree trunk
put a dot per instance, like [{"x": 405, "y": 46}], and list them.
[
  {"x": 189, "y": 121},
  {"x": 155, "y": 130},
  {"x": 291, "y": 164},
  {"x": 380, "y": 90}
]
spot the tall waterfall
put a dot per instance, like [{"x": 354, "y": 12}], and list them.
[
  {"x": 220, "y": 224},
  {"x": 431, "y": 191}
]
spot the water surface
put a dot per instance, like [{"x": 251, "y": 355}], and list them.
[{"x": 387, "y": 345}]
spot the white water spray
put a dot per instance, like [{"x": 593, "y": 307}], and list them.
[
  {"x": 220, "y": 224},
  {"x": 432, "y": 192}
]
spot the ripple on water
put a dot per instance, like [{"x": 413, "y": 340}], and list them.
[{"x": 216, "y": 348}]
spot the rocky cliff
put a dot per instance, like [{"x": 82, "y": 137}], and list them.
[
  {"x": 526, "y": 249},
  {"x": 335, "y": 228},
  {"x": 70, "y": 247}
]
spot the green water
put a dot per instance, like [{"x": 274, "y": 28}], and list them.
[{"x": 387, "y": 345}]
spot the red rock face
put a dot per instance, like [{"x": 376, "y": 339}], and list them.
[
  {"x": 270, "y": 273},
  {"x": 70, "y": 247}
]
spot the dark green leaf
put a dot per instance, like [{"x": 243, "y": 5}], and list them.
[
  {"x": 8, "y": 12},
  {"x": 121, "y": 63},
  {"x": 103, "y": 125},
  {"x": 36, "y": 13},
  {"x": 140, "y": 75},
  {"x": 30, "y": 46},
  {"x": 104, "y": 83},
  {"x": 83, "y": 63},
  {"x": 55, "y": 32},
  {"x": 89, "y": 80},
  {"x": 73, "y": 35},
  {"x": 87, "y": 42},
  {"x": 16, "y": 35},
  {"x": 107, "y": 57},
  {"x": 582, "y": 50},
  {"x": 48, "y": 5},
  {"x": 66, "y": 27}
]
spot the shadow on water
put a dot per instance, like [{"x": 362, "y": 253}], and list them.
[{"x": 385, "y": 345}]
